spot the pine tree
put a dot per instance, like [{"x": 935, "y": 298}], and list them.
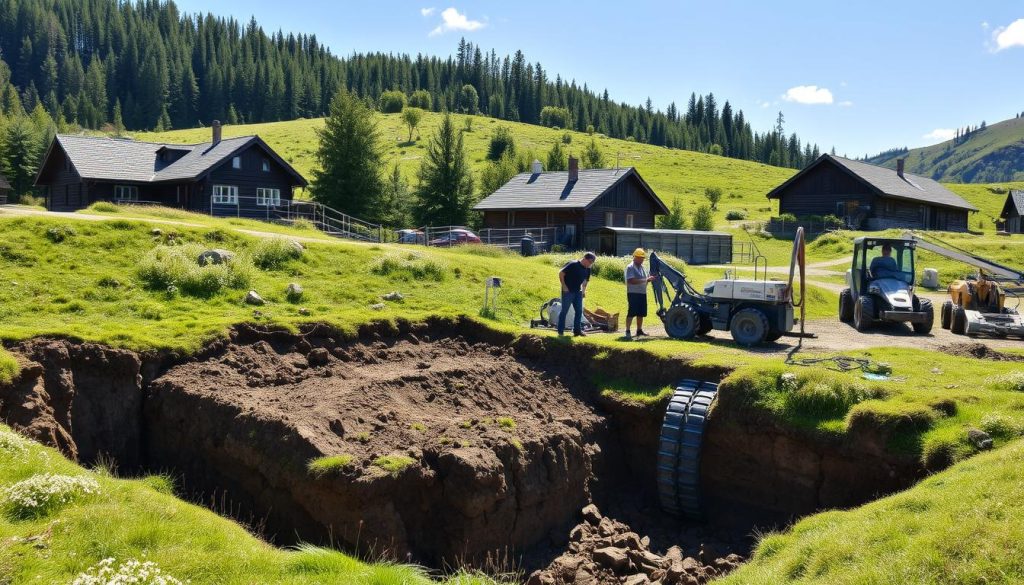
[
  {"x": 445, "y": 192},
  {"x": 676, "y": 219},
  {"x": 393, "y": 208},
  {"x": 118, "y": 120},
  {"x": 592, "y": 158},
  {"x": 350, "y": 159},
  {"x": 556, "y": 160},
  {"x": 20, "y": 146}
]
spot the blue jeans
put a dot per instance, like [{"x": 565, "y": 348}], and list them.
[{"x": 574, "y": 300}]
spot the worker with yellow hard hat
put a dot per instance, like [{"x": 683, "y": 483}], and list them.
[{"x": 636, "y": 292}]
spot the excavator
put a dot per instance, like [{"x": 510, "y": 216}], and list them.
[{"x": 977, "y": 304}]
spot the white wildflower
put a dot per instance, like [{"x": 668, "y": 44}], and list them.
[
  {"x": 131, "y": 572},
  {"x": 12, "y": 443},
  {"x": 43, "y": 493}
]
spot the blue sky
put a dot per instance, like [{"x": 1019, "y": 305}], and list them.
[{"x": 863, "y": 76}]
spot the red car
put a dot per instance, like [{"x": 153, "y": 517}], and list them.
[{"x": 456, "y": 237}]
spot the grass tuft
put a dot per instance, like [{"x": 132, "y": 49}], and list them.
[
  {"x": 506, "y": 422},
  {"x": 272, "y": 253},
  {"x": 1012, "y": 381},
  {"x": 410, "y": 266},
  {"x": 329, "y": 464},
  {"x": 394, "y": 464},
  {"x": 103, "y": 207},
  {"x": 9, "y": 368},
  {"x": 176, "y": 266}
]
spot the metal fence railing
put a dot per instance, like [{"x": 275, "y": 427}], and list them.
[
  {"x": 326, "y": 219},
  {"x": 512, "y": 237}
]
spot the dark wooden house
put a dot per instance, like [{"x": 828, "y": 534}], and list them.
[
  {"x": 870, "y": 197},
  {"x": 5, "y": 189},
  {"x": 240, "y": 177},
  {"x": 575, "y": 202},
  {"x": 1013, "y": 212}
]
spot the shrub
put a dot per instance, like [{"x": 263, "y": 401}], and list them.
[
  {"x": 130, "y": 571},
  {"x": 590, "y": 129},
  {"x": 410, "y": 266},
  {"x": 216, "y": 235},
  {"x": 502, "y": 142},
  {"x": 788, "y": 217},
  {"x": 42, "y": 494},
  {"x": 329, "y": 464},
  {"x": 165, "y": 267},
  {"x": 703, "y": 219},
  {"x": 421, "y": 99},
  {"x": 103, "y": 207},
  {"x": 393, "y": 464},
  {"x": 735, "y": 215},
  {"x": 392, "y": 102},
  {"x": 566, "y": 138},
  {"x": 1001, "y": 426},
  {"x": 1013, "y": 381},
  {"x": 59, "y": 233},
  {"x": 551, "y": 116},
  {"x": 8, "y": 367},
  {"x": 832, "y": 222},
  {"x": 272, "y": 253},
  {"x": 32, "y": 201}
]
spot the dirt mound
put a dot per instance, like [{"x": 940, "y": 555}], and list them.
[
  {"x": 448, "y": 449},
  {"x": 603, "y": 550},
  {"x": 980, "y": 351}
]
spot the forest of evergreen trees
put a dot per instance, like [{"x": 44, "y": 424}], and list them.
[{"x": 85, "y": 60}]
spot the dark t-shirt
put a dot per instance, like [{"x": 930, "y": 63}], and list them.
[{"x": 575, "y": 275}]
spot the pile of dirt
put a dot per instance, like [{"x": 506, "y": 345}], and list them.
[
  {"x": 603, "y": 550},
  {"x": 451, "y": 449},
  {"x": 980, "y": 351}
]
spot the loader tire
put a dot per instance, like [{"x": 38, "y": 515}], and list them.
[
  {"x": 846, "y": 306},
  {"x": 926, "y": 327},
  {"x": 682, "y": 322},
  {"x": 749, "y": 327},
  {"x": 958, "y": 322},
  {"x": 946, "y": 314},
  {"x": 863, "y": 313}
]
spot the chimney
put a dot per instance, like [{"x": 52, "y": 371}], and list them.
[
  {"x": 574, "y": 169},
  {"x": 216, "y": 133},
  {"x": 537, "y": 167},
  {"x": 899, "y": 166}
]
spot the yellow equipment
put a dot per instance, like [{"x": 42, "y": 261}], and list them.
[{"x": 977, "y": 304}]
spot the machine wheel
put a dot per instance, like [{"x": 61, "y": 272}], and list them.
[
  {"x": 926, "y": 327},
  {"x": 846, "y": 306},
  {"x": 958, "y": 322},
  {"x": 682, "y": 322},
  {"x": 705, "y": 325},
  {"x": 946, "y": 314},
  {"x": 863, "y": 313},
  {"x": 749, "y": 327}
]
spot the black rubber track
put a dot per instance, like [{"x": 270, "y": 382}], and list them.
[{"x": 682, "y": 432}]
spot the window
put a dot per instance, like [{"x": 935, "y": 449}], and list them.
[
  {"x": 236, "y": 163},
  {"x": 266, "y": 166},
  {"x": 225, "y": 194},
  {"x": 126, "y": 193},
  {"x": 268, "y": 197},
  {"x": 510, "y": 220},
  {"x": 609, "y": 218},
  {"x": 629, "y": 220}
]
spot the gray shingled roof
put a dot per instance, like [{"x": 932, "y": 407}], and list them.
[
  {"x": 1015, "y": 198},
  {"x": 889, "y": 184},
  {"x": 119, "y": 159},
  {"x": 552, "y": 190},
  {"x": 4, "y": 185}
]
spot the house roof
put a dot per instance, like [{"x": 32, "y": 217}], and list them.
[
  {"x": 4, "y": 185},
  {"x": 1014, "y": 200},
  {"x": 887, "y": 183},
  {"x": 119, "y": 159},
  {"x": 552, "y": 190}
]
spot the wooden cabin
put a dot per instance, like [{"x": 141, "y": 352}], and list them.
[
  {"x": 871, "y": 197},
  {"x": 5, "y": 189},
  {"x": 240, "y": 177},
  {"x": 574, "y": 202},
  {"x": 1013, "y": 212}
]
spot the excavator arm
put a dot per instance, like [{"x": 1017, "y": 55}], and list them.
[
  {"x": 666, "y": 276},
  {"x": 1005, "y": 275}
]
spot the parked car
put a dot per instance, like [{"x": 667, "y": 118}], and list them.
[
  {"x": 456, "y": 237},
  {"x": 409, "y": 236}
]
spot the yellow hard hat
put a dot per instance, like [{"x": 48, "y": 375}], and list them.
[{"x": 639, "y": 253}]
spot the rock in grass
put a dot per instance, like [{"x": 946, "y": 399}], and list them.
[
  {"x": 215, "y": 256},
  {"x": 294, "y": 292},
  {"x": 304, "y": 311},
  {"x": 393, "y": 296},
  {"x": 253, "y": 298},
  {"x": 980, "y": 439},
  {"x": 377, "y": 307}
]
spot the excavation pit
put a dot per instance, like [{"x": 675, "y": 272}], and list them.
[{"x": 443, "y": 443}]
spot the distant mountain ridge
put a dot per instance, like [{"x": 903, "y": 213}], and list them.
[{"x": 991, "y": 154}]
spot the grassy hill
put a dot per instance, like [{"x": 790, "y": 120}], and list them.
[
  {"x": 671, "y": 173},
  {"x": 991, "y": 155}
]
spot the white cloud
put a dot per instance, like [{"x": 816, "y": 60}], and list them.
[
  {"x": 940, "y": 134},
  {"x": 1005, "y": 37},
  {"x": 984, "y": 24},
  {"x": 808, "y": 94},
  {"x": 425, "y": 12},
  {"x": 451, "y": 20}
]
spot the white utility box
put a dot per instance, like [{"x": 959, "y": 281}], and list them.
[{"x": 771, "y": 291}]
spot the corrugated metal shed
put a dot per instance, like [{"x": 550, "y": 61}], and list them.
[{"x": 694, "y": 247}]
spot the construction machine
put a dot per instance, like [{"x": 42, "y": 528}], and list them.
[
  {"x": 977, "y": 304},
  {"x": 754, "y": 311},
  {"x": 880, "y": 285}
]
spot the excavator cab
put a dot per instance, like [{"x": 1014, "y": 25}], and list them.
[{"x": 881, "y": 286}]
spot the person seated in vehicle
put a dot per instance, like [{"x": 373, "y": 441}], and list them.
[{"x": 885, "y": 266}]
